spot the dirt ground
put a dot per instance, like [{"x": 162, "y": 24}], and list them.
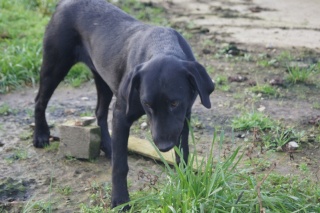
[{"x": 258, "y": 29}]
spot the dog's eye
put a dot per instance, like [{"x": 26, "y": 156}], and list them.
[{"x": 174, "y": 104}]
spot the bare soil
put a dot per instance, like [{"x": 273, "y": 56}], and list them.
[{"x": 258, "y": 29}]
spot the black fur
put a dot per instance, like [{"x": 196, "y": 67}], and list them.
[{"x": 151, "y": 70}]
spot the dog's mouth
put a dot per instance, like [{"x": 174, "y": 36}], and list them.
[{"x": 165, "y": 146}]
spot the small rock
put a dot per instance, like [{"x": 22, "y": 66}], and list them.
[
  {"x": 144, "y": 126},
  {"x": 292, "y": 145},
  {"x": 261, "y": 108},
  {"x": 84, "y": 98}
]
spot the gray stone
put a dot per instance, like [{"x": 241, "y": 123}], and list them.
[
  {"x": 79, "y": 141},
  {"x": 144, "y": 125}
]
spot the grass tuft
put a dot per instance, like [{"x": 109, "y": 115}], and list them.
[
  {"x": 251, "y": 120},
  {"x": 299, "y": 75},
  {"x": 264, "y": 89}
]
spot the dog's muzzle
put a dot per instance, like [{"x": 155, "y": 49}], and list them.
[{"x": 165, "y": 146}]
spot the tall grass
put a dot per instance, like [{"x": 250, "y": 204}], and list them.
[
  {"x": 21, "y": 32},
  {"x": 22, "y": 28},
  {"x": 221, "y": 186}
]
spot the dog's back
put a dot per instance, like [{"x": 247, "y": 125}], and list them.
[{"x": 108, "y": 40}]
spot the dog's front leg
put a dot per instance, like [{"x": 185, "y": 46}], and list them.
[
  {"x": 120, "y": 134},
  {"x": 184, "y": 141}
]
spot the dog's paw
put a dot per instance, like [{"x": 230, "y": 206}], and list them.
[
  {"x": 119, "y": 202},
  {"x": 41, "y": 140}
]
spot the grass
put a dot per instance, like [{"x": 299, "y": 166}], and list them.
[
  {"x": 299, "y": 75},
  {"x": 316, "y": 105},
  {"x": 20, "y": 44},
  {"x": 251, "y": 120},
  {"x": 279, "y": 136},
  {"x": 266, "y": 62},
  {"x": 25, "y": 135},
  {"x": 221, "y": 186},
  {"x": 99, "y": 192},
  {"x": 52, "y": 147},
  {"x": 264, "y": 89},
  {"x": 18, "y": 154},
  {"x": 147, "y": 12},
  {"x": 65, "y": 190},
  {"x": 21, "y": 34},
  {"x": 4, "y": 109}
]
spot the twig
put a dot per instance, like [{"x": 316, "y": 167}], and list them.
[{"x": 262, "y": 210}]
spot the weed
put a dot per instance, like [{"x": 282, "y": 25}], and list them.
[
  {"x": 52, "y": 147},
  {"x": 285, "y": 57},
  {"x": 210, "y": 69},
  {"x": 264, "y": 89},
  {"x": 30, "y": 113},
  {"x": 247, "y": 57},
  {"x": 224, "y": 88},
  {"x": 99, "y": 192},
  {"x": 266, "y": 62},
  {"x": 70, "y": 158},
  {"x": 222, "y": 83},
  {"x": 316, "y": 105},
  {"x": 299, "y": 75},
  {"x": 25, "y": 135},
  {"x": 38, "y": 206},
  {"x": 304, "y": 167},
  {"x": 207, "y": 43},
  {"x": 88, "y": 209},
  {"x": 280, "y": 136},
  {"x": 18, "y": 154},
  {"x": 86, "y": 114},
  {"x": 195, "y": 121},
  {"x": 4, "y": 109},
  {"x": 251, "y": 120},
  {"x": 221, "y": 80},
  {"x": 65, "y": 190}
]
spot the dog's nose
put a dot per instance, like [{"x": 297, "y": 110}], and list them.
[{"x": 165, "y": 146}]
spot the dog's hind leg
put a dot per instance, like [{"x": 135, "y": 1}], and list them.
[
  {"x": 104, "y": 98},
  {"x": 55, "y": 66}
]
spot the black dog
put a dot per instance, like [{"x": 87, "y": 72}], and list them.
[{"x": 151, "y": 70}]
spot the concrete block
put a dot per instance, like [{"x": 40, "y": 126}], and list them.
[{"x": 79, "y": 141}]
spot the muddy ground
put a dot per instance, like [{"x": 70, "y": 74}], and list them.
[{"x": 252, "y": 39}]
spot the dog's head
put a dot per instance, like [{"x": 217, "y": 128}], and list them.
[{"x": 167, "y": 89}]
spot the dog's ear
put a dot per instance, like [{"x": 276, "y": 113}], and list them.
[
  {"x": 132, "y": 84},
  {"x": 201, "y": 81}
]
